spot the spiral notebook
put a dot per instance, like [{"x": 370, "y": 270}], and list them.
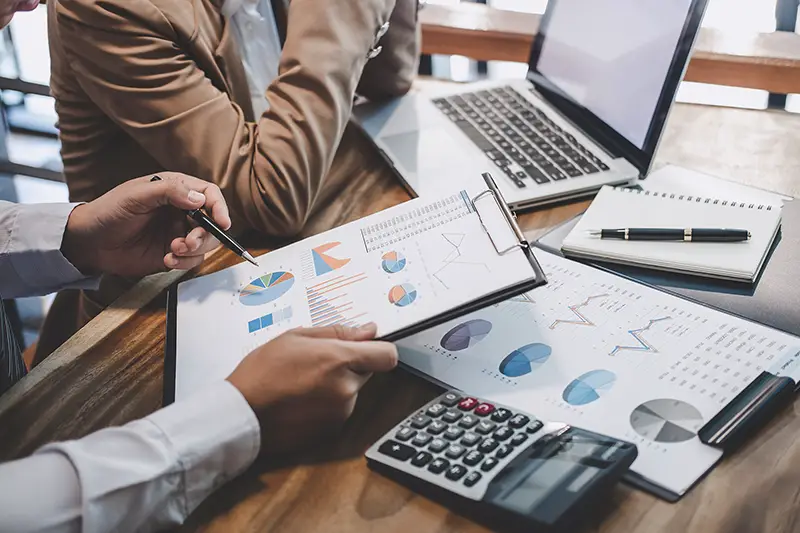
[{"x": 629, "y": 208}]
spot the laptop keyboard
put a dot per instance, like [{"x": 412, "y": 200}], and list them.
[{"x": 521, "y": 140}]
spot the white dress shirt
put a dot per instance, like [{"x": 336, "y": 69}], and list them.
[
  {"x": 144, "y": 476},
  {"x": 256, "y": 34}
]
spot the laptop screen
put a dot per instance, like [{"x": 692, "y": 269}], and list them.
[{"x": 614, "y": 65}]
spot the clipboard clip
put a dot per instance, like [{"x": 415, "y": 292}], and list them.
[{"x": 495, "y": 193}]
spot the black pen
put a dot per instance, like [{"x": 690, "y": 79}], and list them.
[
  {"x": 205, "y": 222},
  {"x": 666, "y": 234}
]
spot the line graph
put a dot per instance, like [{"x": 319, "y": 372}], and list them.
[
  {"x": 638, "y": 334},
  {"x": 456, "y": 257},
  {"x": 581, "y": 319}
]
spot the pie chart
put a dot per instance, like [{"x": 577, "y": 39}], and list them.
[
  {"x": 266, "y": 289},
  {"x": 393, "y": 262},
  {"x": 525, "y": 360},
  {"x": 666, "y": 420},
  {"x": 465, "y": 335},
  {"x": 589, "y": 387},
  {"x": 403, "y": 295}
]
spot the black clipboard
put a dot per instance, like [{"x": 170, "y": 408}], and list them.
[{"x": 491, "y": 195}]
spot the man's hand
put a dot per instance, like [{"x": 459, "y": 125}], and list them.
[
  {"x": 140, "y": 227},
  {"x": 305, "y": 382}
]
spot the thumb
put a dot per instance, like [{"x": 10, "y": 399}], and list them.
[
  {"x": 372, "y": 356},
  {"x": 344, "y": 333}
]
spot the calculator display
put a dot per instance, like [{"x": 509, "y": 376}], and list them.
[{"x": 554, "y": 473}]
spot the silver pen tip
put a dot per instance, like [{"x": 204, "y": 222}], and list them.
[
  {"x": 594, "y": 232},
  {"x": 249, "y": 258}
]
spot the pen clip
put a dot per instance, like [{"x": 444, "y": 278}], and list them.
[{"x": 495, "y": 193}]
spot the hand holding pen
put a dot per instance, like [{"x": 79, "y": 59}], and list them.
[
  {"x": 140, "y": 227},
  {"x": 205, "y": 222}
]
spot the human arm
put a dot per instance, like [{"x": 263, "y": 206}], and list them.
[
  {"x": 136, "y": 229},
  {"x": 152, "y": 473},
  {"x": 31, "y": 262},
  {"x": 134, "y": 63},
  {"x": 393, "y": 71},
  {"x": 144, "y": 476}
]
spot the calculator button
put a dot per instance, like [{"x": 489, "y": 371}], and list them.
[
  {"x": 420, "y": 421},
  {"x": 437, "y": 445},
  {"x": 455, "y": 451},
  {"x": 455, "y": 473},
  {"x": 421, "y": 459},
  {"x": 485, "y": 427},
  {"x": 452, "y": 416},
  {"x": 453, "y": 433},
  {"x": 484, "y": 409},
  {"x": 501, "y": 415},
  {"x": 503, "y": 451},
  {"x": 438, "y": 465},
  {"x": 405, "y": 434},
  {"x": 421, "y": 439},
  {"x": 396, "y": 450},
  {"x": 472, "y": 478},
  {"x": 468, "y": 421},
  {"x": 470, "y": 439},
  {"x": 488, "y": 445},
  {"x": 518, "y": 421},
  {"x": 450, "y": 399},
  {"x": 504, "y": 433},
  {"x": 436, "y": 427},
  {"x": 489, "y": 463},
  {"x": 473, "y": 458},
  {"x": 535, "y": 426},
  {"x": 435, "y": 410},
  {"x": 518, "y": 439},
  {"x": 467, "y": 404}
]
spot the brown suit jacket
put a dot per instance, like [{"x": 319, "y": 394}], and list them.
[{"x": 143, "y": 86}]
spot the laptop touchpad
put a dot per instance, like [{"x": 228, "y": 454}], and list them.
[{"x": 420, "y": 150}]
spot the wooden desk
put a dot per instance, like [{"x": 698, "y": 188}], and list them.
[{"x": 103, "y": 379}]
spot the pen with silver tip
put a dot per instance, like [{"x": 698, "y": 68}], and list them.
[{"x": 205, "y": 222}]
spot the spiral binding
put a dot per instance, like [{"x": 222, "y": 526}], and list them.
[{"x": 698, "y": 199}]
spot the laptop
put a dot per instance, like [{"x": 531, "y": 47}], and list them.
[{"x": 602, "y": 77}]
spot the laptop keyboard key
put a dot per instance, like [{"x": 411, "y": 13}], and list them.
[{"x": 536, "y": 175}]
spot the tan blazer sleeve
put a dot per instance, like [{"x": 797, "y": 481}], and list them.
[
  {"x": 393, "y": 71},
  {"x": 128, "y": 58}
]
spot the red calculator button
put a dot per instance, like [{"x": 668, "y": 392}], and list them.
[
  {"x": 484, "y": 409},
  {"x": 467, "y": 404}
]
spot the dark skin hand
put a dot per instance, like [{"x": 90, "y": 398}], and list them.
[
  {"x": 140, "y": 227},
  {"x": 304, "y": 383}
]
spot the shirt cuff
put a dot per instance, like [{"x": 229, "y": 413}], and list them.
[
  {"x": 39, "y": 231},
  {"x": 216, "y": 435}
]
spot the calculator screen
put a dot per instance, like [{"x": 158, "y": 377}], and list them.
[
  {"x": 531, "y": 489},
  {"x": 564, "y": 466}
]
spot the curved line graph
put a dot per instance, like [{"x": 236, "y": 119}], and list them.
[
  {"x": 644, "y": 345},
  {"x": 581, "y": 320}
]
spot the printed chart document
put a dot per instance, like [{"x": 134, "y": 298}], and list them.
[
  {"x": 604, "y": 353},
  {"x": 406, "y": 269}
]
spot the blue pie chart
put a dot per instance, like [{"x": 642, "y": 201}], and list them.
[
  {"x": 465, "y": 335},
  {"x": 525, "y": 360},
  {"x": 589, "y": 387},
  {"x": 393, "y": 262}
]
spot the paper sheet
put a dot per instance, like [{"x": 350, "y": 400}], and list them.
[
  {"x": 396, "y": 268},
  {"x": 600, "y": 352}
]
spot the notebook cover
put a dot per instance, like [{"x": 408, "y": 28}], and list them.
[{"x": 773, "y": 300}]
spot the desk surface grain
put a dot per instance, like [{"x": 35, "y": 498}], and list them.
[{"x": 114, "y": 376}]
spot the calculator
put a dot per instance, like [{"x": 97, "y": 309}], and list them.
[{"x": 509, "y": 463}]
